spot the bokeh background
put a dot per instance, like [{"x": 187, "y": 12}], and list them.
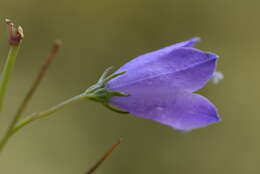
[{"x": 98, "y": 34}]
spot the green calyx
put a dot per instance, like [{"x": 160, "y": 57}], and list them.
[{"x": 99, "y": 93}]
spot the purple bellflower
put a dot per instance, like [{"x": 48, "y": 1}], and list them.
[{"x": 160, "y": 86}]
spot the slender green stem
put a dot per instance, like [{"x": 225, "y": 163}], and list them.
[
  {"x": 8, "y": 68},
  {"x": 37, "y": 116},
  {"x": 48, "y": 112},
  {"x": 96, "y": 92}
]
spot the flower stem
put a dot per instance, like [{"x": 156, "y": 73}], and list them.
[
  {"x": 37, "y": 116},
  {"x": 8, "y": 68},
  {"x": 52, "y": 53}
]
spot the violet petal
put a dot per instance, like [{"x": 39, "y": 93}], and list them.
[
  {"x": 161, "y": 83},
  {"x": 154, "y": 55},
  {"x": 179, "y": 109},
  {"x": 183, "y": 68}
]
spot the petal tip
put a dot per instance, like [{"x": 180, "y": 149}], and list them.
[
  {"x": 212, "y": 119},
  {"x": 212, "y": 55},
  {"x": 193, "y": 41},
  {"x": 196, "y": 39},
  {"x": 216, "y": 119}
]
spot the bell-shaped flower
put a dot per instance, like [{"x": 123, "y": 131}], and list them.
[{"x": 161, "y": 85}]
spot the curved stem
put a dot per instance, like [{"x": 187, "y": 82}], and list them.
[{"x": 37, "y": 116}]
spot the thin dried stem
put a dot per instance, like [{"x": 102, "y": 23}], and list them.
[
  {"x": 104, "y": 157},
  {"x": 55, "y": 48}
]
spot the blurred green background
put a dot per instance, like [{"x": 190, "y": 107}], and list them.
[{"x": 97, "y": 34}]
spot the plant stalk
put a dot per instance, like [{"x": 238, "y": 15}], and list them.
[
  {"x": 8, "y": 68},
  {"x": 37, "y": 116}
]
